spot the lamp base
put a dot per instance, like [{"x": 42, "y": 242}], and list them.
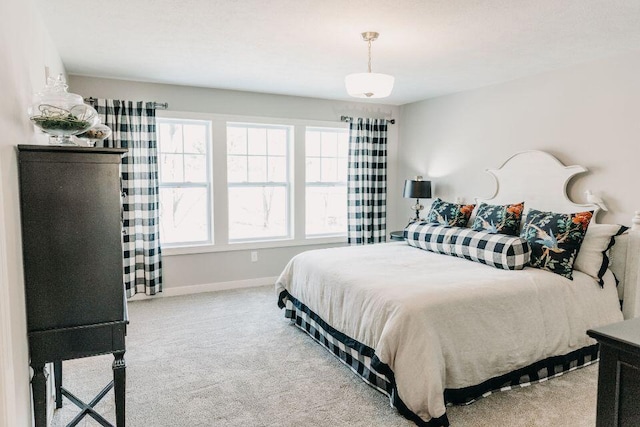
[{"x": 417, "y": 208}]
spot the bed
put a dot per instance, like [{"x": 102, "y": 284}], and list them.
[{"x": 430, "y": 330}]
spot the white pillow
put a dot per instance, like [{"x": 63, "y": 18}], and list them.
[{"x": 592, "y": 257}]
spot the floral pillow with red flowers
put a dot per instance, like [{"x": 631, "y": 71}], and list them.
[
  {"x": 555, "y": 239},
  {"x": 452, "y": 214},
  {"x": 502, "y": 219}
]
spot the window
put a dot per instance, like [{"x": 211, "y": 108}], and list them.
[
  {"x": 326, "y": 181},
  {"x": 278, "y": 193},
  {"x": 185, "y": 194},
  {"x": 258, "y": 181}
]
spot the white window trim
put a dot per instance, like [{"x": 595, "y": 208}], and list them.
[
  {"x": 317, "y": 184},
  {"x": 244, "y": 246},
  {"x": 219, "y": 185},
  {"x": 207, "y": 185},
  {"x": 288, "y": 184}
]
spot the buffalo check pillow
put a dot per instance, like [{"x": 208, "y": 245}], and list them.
[
  {"x": 497, "y": 250},
  {"x": 431, "y": 237}
]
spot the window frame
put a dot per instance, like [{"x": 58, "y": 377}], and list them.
[
  {"x": 320, "y": 184},
  {"x": 219, "y": 188},
  {"x": 207, "y": 185},
  {"x": 287, "y": 184}
]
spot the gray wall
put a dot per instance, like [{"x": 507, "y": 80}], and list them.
[
  {"x": 215, "y": 267},
  {"x": 25, "y": 50},
  {"x": 587, "y": 115}
]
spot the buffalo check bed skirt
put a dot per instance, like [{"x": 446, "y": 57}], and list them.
[{"x": 362, "y": 360}]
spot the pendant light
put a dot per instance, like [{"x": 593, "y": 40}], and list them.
[{"x": 369, "y": 85}]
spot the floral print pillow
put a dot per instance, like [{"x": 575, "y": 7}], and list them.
[
  {"x": 503, "y": 219},
  {"x": 452, "y": 214},
  {"x": 555, "y": 239}
]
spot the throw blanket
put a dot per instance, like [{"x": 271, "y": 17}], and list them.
[{"x": 443, "y": 322}]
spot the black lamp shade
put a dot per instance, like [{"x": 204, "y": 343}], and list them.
[{"x": 417, "y": 189}]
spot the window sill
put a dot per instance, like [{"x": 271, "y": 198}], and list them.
[{"x": 245, "y": 246}]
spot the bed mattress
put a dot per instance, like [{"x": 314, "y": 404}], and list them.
[{"x": 444, "y": 323}]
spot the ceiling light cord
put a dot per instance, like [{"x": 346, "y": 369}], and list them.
[{"x": 369, "y": 43}]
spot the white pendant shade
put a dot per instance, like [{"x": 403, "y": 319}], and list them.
[{"x": 369, "y": 85}]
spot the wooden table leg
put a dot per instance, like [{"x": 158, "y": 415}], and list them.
[
  {"x": 57, "y": 375},
  {"x": 39, "y": 388},
  {"x": 608, "y": 383},
  {"x": 119, "y": 387}
]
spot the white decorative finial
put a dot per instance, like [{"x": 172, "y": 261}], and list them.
[{"x": 595, "y": 200}]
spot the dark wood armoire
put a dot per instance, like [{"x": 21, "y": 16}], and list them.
[{"x": 71, "y": 201}]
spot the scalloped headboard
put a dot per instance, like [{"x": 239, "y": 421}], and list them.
[{"x": 538, "y": 179}]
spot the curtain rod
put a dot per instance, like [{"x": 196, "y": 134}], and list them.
[
  {"x": 156, "y": 105},
  {"x": 350, "y": 119}
]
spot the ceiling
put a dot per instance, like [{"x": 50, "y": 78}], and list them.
[{"x": 305, "y": 47}]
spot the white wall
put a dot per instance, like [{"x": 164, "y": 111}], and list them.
[
  {"x": 587, "y": 115},
  {"x": 198, "y": 269},
  {"x": 25, "y": 50}
]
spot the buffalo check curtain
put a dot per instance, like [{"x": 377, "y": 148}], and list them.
[
  {"x": 134, "y": 127},
  {"x": 367, "y": 181}
]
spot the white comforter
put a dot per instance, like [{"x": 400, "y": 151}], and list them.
[{"x": 444, "y": 322}]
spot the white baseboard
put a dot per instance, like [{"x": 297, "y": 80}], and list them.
[{"x": 208, "y": 287}]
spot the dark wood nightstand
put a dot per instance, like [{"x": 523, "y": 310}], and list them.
[
  {"x": 618, "y": 374},
  {"x": 397, "y": 235}
]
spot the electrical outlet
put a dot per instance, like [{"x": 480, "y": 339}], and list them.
[{"x": 254, "y": 256}]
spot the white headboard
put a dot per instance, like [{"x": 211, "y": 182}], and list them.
[{"x": 540, "y": 180}]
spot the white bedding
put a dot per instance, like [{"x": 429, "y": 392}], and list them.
[{"x": 444, "y": 322}]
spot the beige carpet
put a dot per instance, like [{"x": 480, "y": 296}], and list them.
[{"x": 231, "y": 359}]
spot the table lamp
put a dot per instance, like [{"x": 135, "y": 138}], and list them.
[{"x": 417, "y": 189}]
